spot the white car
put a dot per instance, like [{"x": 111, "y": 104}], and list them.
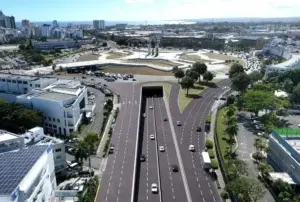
[
  {"x": 161, "y": 148},
  {"x": 178, "y": 123},
  {"x": 298, "y": 125},
  {"x": 152, "y": 137},
  {"x": 150, "y": 107},
  {"x": 144, "y": 115},
  {"x": 192, "y": 147},
  {"x": 154, "y": 188}
]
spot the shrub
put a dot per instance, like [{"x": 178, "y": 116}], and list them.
[
  {"x": 208, "y": 118},
  {"x": 224, "y": 195},
  {"x": 214, "y": 164},
  {"x": 211, "y": 153},
  {"x": 209, "y": 144}
]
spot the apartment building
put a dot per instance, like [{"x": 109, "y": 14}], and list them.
[
  {"x": 13, "y": 84},
  {"x": 27, "y": 174},
  {"x": 63, "y": 104},
  {"x": 283, "y": 155},
  {"x": 54, "y": 44}
]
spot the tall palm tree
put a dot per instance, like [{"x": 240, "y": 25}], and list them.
[
  {"x": 231, "y": 130},
  {"x": 81, "y": 152}
]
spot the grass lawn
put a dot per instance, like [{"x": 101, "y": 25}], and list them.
[
  {"x": 222, "y": 137},
  {"x": 117, "y": 55},
  {"x": 158, "y": 62},
  {"x": 87, "y": 57},
  {"x": 166, "y": 86},
  {"x": 190, "y": 57},
  {"x": 224, "y": 57},
  {"x": 134, "y": 70}
]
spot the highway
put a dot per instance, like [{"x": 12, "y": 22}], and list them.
[
  {"x": 171, "y": 182},
  {"x": 201, "y": 186},
  {"x": 116, "y": 183},
  {"x": 148, "y": 169}
]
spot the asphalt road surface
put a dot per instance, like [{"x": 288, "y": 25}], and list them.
[
  {"x": 116, "y": 184},
  {"x": 148, "y": 169},
  {"x": 201, "y": 186}
]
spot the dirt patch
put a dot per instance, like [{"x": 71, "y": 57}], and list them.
[
  {"x": 88, "y": 57},
  {"x": 158, "y": 62},
  {"x": 117, "y": 55},
  {"x": 135, "y": 70},
  {"x": 190, "y": 57}
]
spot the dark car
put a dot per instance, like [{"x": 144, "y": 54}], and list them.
[
  {"x": 223, "y": 98},
  {"x": 174, "y": 168},
  {"x": 92, "y": 79},
  {"x": 84, "y": 77},
  {"x": 198, "y": 129},
  {"x": 165, "y": 119},
  {"x": 142, "y": 158}
]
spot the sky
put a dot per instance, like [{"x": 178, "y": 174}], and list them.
[{"x": 150, "y": 10}]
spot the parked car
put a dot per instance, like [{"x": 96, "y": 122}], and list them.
[{"x": 174, "y": 168}]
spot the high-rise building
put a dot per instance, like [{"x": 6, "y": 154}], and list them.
[
  {"x": 102, "y": 24},
  {"x": 55, "y": 23},
  {"x": 96, "y": 24},
  {"x": 25, "y": 23},
  {"x": 7, "y": 21},
  {"x": 45, "y": 30}
]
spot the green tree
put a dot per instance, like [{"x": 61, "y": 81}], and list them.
[
  {"x": 179, "y": 74},
  {"x": 288, "y": 85},
  {"x": 104, "y": 44},
  {"x": 281, "y": 186},
  {"x": 175, "y": 69},
  {"x": 22, "y": 47},
  {"x": 91, "y": 139},
  {"x": 230, "y": 100},
  {"x": 187, "y": 83},
  {"x": 247, "y": 189},
  {"x": 265, "y": 168},
  {"x": 231, "y": 130},
  {"x": 208, "y": 76},
  {"x": 240, "y": 81},
  {"x": 255, "y": 76},
  {"x": 235, "y": 69},
  {"x": 81, "y": 151},
  {"x": 209, "y": 144},
  {"x": 255, "y": 101},
  {"x": 235, "y": 168},
  {"x": 284, "y": 196},
  {"x": 193, "y": 74},
  {"x": 200, "y": 68},
  {"x": 296, "y": 94}
]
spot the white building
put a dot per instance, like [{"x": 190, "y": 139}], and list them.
[
  {"x": 54, "y": 44},
  {"x": 63, "y": 105},
  {"x": 291, "y": 64},
  {"x": 45, "y": 30},
  {"x": 37, "y": 136},
  {"x": 27, "y": 175},
  {"x": 10, "y": 141},
  {"x": 13, "y": 84},
  {"x": 101, "y": 24}
]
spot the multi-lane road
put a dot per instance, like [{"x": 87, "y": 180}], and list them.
[{"x": 195, "y": 185}]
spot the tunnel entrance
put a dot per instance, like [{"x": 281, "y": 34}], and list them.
[{"x": 152, "y": 91}]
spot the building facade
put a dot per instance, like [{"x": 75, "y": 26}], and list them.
[
  {"x": 7, "y": 21},
  {"x": 63, "y": 105},
  {"x": 283, "y": 155},
  {"x": 54, "y": 44},
  {"x": 13, "y": 84},
  {"x": 25, "y": 23},
  {"x": 96, "y": 24},
  {"x": 101, "y": 24},
  {"x": 45, "y": 30},
  {"x": 27, "y": 174}
]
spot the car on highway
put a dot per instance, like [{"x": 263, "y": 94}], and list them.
[
  {"x": 178, "y": 123},
  {"x": 223, "y": 98},
  {"x": 111, "y": 149},
  {"x": 144, "y": 115},
  {"x": 165, "y": 119},
  {"x": 161, "y": 148},
  {"x": 174, "y": 168},
  {"x": 152, "y": 137},
  {"x": 154, "y": 188},
  {"x": 150, "y": 107},
  {"x": 192, "y": 148},
  {"x": 143, "y": 158},
  {"x": 198, "y": 129}
]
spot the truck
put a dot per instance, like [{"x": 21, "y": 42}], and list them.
[{"x": 206, "y": 161}]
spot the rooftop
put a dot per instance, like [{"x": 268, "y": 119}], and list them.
[
  {"x": 15, "y": 165},
  {"x": 54, "y": 96},
  {"x": 4, "y": 136}
]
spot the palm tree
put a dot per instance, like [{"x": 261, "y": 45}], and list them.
[
  {"x": 231, "y": 130},
  {"x": 81, "y": 152},
  {"x": 91, "y": 140}
]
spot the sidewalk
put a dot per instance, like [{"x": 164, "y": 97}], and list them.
[{"x": 107, "y": 127}]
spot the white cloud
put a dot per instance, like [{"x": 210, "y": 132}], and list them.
[{"x": 138, "y": 1}]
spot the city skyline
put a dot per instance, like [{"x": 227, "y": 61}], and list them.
[{"x": 141, "y": 10}]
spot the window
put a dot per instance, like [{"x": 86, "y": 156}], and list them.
[
  {"x": 25, "y": 89},
  {"x": 58, "y": 157},
  {"x": 3, "y": 80},
  {"x": 30, "y": 85},
  {"x": 37, "y": 85},
  {"x": 49, "y": 118},
  {"x": 45, "y": 117},
  {"x": 54, "y": 126},
  {"x": 20, "y": 82},
  {"x": 25, "y": 82},
  {"x": 46, "y": 124},
  {"x": 8, "y": 81},
  {"x": 71, "y": 130},
  {"x": 14, "y": 81},
  {"x": 53, "y": 119},
  {"x": 50, "y": 125},
  {"x": 58, "y": 150},
  {"x": 58, "y": 120}
]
